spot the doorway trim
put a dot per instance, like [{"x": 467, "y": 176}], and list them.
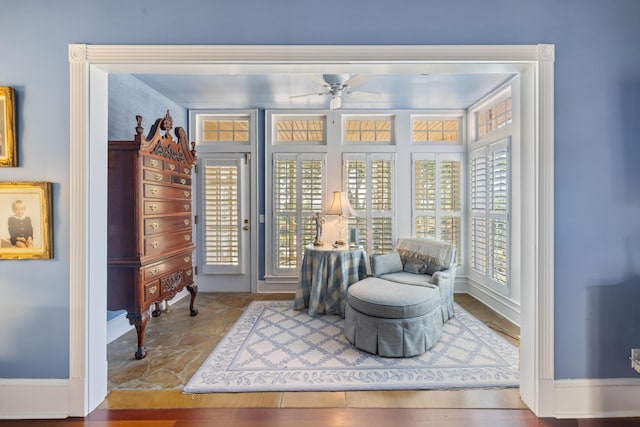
[{"x": 89, "y": 68}]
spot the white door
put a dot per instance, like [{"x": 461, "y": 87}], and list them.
[{"x": 224, "y": 226}]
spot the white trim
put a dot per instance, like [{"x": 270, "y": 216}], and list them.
[
  {"x": 494, "y": 300},
  {"x": 117, "y": 327},
  {"x": 537, "y": 60},
  {"x": 34, "y": 398},
  {"x": 597, "y": 398}
]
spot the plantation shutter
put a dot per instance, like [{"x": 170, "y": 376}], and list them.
[
  {"x": 499, "y": 214},
  {"x": 437, "y": 198},
  {"x": 369, "y": 180},
  {"x": 490, "y": 214},
  {"x": 221, "y": 252},
  {"x": 298, "y": 181}
]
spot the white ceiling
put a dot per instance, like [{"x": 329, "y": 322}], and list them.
[{"x": 274, "y": 90}]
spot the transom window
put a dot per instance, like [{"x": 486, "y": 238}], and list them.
[
  {"x": 302, "y": 129},
  {"x": 378, "y": 129},
  {"x": 225, "y": 130},
  {"x": 494, "y": 117},
  {"x": 435, "y": 130}
]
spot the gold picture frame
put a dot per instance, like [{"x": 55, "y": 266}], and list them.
[
  {"x": 25, "y": 220},
  {"x": 8, "y": 156}
]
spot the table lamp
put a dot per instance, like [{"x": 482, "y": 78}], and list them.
[{"x": 340, "y": 206}]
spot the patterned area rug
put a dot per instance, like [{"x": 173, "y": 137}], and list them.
[{"x": 275, "y": 348}]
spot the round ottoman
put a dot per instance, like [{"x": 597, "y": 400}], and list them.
[{"x": 392, "y": 319}]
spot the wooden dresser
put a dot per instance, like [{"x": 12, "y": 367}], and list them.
[{"x": 150, "y": 247}]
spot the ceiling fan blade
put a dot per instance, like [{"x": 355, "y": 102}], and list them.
[
  {"x": 335, "y": 103},
  {"x": 364, "y": 95},
  {"x": 357, "y": 79},
  {"x": 317, "y": 79},
  {"x": 308, "y": 94}
]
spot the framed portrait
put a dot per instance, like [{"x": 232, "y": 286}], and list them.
[
  {"x": 25, "y": 220},
  {"x": 8, "y": 155}
]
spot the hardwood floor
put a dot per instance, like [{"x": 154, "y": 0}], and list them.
[{"x": 149, "y": 392}]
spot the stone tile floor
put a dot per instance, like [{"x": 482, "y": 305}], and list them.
[{"x": 178, "y": 344}]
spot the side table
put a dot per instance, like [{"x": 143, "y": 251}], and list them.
[{"x": 325, "y": 275}]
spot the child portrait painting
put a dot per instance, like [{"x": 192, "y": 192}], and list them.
[{"x": 25, "y": 220}]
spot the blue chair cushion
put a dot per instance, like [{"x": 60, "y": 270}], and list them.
[{"x": 379, "y": 298}]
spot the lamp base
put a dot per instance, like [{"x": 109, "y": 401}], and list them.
[
  {"x": 317, "y": 243},
  {"x": 339, "y": 243}
]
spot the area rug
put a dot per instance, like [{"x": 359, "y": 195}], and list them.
[{"x": 272, "y": 347}]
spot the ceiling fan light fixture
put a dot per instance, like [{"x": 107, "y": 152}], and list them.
[{"x": 335, "y": 103}]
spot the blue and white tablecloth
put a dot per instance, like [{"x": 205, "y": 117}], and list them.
[{"x": 325, "y": 275}]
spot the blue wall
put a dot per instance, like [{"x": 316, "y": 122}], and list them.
[{"x": 597, "y": 146}]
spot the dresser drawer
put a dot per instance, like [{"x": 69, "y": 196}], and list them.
[
  {"x": 188, "y": 275},
  {"x": 166, "y": 224},
  {"x": 161, "y": 207},
  {"x": 152, "y": 292},
  {"x": 150, "y": 162},
  {"x": 156, "y": 176},
  {"x": 176, "y": 262},
  {"x": 156, "y": 245},
  {"x": 177, "y": 168},
  {"x": 165, "y": 192},
  {"x": 181, "y": 180}
]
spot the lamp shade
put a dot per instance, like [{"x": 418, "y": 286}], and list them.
[{"x": 340, "y": 205}]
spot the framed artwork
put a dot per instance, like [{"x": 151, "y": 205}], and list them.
[
  {"x": 7, "y": 128},
  {"x": 25, "y": 220}
]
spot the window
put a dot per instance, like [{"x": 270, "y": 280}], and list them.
[
  {"x": 368, "y": 130},
  {"x": 300, "y": 129},
  {"x": 298, "y": 183},
  {"x": 494, "y": 117},
  {"x": 216, "y": 129},
  {"x": 221, "y": 221},
  {"x": 437, "y": 198},
  {"x": 490, "y": 220},
  {"x": 368, "y": 181},
  {"x": 435, "y": 130}
]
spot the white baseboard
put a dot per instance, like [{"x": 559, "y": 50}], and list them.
[
  {"x": 498, "y": 303},
  {"x": 597, "y": 398},
  {"x": 118, "y": 326},
  {"x": 34, "y": 398}
]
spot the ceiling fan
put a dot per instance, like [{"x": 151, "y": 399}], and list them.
[{"x": 336, "y": 85}]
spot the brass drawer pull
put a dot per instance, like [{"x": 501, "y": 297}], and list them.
[
  {"x": 186, "y": 171},
  {"x": 186, "y": 194},
  {"x": 153, "y": 271},
  {"x": 186, "y": 207},
  {"x": 189, "y": 273},
  {"x": 153, "y": 207},
  {"x": 186, "y": 222},
  {"x": 187, "y": 237},
  {"x": 187, "y": 259},
  {"x": 157, "y": 176},
  {"x": 153, "y": 162},
  {"x": 183, "y": 181},
  {"x": 155, "y": 245},
  {"x": 172, "y": 167},
  {"x": 154, "y": 225},
  {"x": 153, "y": 191},
  {"x": 153, "y": 290}
]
